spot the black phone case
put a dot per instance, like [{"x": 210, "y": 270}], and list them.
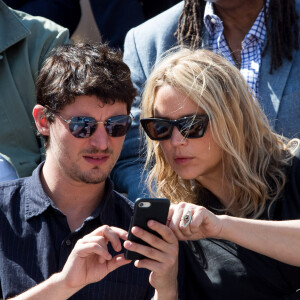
[{"x": 158, "y": 211}]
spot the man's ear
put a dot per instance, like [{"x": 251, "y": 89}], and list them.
[{"x": 40, "y": 119}]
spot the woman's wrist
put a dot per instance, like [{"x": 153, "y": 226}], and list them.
[{"x": 225, "y": 231}]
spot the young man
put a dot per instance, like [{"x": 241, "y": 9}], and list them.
[
  {"x": 260, "y": 37},
  {"x": 84, "y": 96}
]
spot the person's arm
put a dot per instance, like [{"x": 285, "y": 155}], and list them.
[
  {"x": 88, "y": 262},
  {"x": 66, "y": 13},
  {"x": 115, "y": 18},
  {"x": 279, "y": 240},
  {"x": 161, "y": 259}
]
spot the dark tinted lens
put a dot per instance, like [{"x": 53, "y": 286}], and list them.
[
  {"x": 193, "y": 127},
  {"x": 159, "y": 129},
  {"x": 82, "y": 127},
  {"x": 118, "y": 125}
]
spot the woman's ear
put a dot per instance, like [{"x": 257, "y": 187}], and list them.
[{"x": 40, "y": 119}]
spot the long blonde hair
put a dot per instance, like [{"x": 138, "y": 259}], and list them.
[{"x": 253, "y": 155}]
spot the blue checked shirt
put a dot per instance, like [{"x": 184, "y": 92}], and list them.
[{"x": 252, "y": 45}]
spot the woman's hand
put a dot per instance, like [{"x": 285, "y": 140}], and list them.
[
  {"x": 199, "y": 223},
  {"x": 161, "y": 258},
  {"x": 279, "y": 240}
]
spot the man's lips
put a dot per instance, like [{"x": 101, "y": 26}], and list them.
[{"x": 95, "y": 159}]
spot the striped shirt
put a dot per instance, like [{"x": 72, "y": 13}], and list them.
[
  {"x": 252, "y": 45},
  {"x": 35, "y": 241}
]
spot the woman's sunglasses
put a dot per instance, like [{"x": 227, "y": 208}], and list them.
[
  {"x": 191, "y": 127},
  {"x": 84, "y": 127}
]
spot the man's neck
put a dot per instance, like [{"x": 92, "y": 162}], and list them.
[
  {"x": 241, "y": 15},
  {"x": 237, "y": 21},
  {"x": 76, "y": 200}
]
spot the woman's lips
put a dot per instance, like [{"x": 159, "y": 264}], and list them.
[{"x": 181, "y": 160}]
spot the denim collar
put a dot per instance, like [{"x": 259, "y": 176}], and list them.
[{"x": 37, "y": 201}]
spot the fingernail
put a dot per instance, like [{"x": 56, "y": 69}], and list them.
[
  {"x": 135, "y": 229},
  {"x": 151, "y": 223},
  {"x": 127, "y": 244}
]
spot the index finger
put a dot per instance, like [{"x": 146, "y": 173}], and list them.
[{"x": 112, "y": 235}]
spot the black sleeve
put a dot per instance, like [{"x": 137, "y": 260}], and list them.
[
  {"x": 181, "y": 273},
  {"x": 66, "y": 13},
  {"x": 295, "y": 296},
  {"x": 288, "y": 207}
]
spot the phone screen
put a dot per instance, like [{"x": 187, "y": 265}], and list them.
[{"x": 146, "y": 209}]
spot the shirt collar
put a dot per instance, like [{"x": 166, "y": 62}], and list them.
[
  {"x": 258, "y": 28},
  {"x": 105, "y": 210},
  {"x": 37, "y": 201},
  {"x": 12, "y": 29},
  {"x": 213, "y": 23}
]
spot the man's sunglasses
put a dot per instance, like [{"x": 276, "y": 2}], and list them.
[
  {"x": 84, "y": 127},
  {"x": 191, "y": 127}
]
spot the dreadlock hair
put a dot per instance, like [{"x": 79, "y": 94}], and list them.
[{"x": 281, "y": 21}]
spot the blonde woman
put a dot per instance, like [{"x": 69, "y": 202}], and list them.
[{"x": 231, "y": 179}]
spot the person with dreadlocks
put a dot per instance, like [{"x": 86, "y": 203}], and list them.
[{"x": 260, "y": 37}]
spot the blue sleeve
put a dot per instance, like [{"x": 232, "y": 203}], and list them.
[
  {"x": 115, "y": 17},
  {"x": 128, "y": 175}
]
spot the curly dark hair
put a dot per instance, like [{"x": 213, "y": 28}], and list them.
[
  {"x": 83, "y": 69},
  {"x": 281, "y": 23}
]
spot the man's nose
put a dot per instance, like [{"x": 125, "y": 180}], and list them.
[{"x": 100, "y": 138}]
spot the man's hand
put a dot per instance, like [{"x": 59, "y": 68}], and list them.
[
  {"x": 161, "y": 258},
  {"x": 90, "y": 260}
]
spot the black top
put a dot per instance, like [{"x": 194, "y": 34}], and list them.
[
  {"x": 35, "y": 241},
  {"x": 218, "y": 269}
]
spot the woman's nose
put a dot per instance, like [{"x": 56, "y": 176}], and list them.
[{"x": 177, "y": 138}]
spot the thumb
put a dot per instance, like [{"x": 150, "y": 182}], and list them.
[
  {"x": 116, "y": 262},
  {"x": 170, "y": 214}
]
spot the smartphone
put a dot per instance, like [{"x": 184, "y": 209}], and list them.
[{"x": 146, "y": 209}]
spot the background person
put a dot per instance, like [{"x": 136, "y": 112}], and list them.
[
  {"x": 66, "y": 13},
  {"x": 213, "y": 148},
  {"x": 8, "y": 172},
  {"x": 25, "y": 43},
  {"x": 115, "y": 18},
  {"x": 259, "y": 37}
]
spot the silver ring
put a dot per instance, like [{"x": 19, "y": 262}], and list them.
[{"x": 186, "y": 219}]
